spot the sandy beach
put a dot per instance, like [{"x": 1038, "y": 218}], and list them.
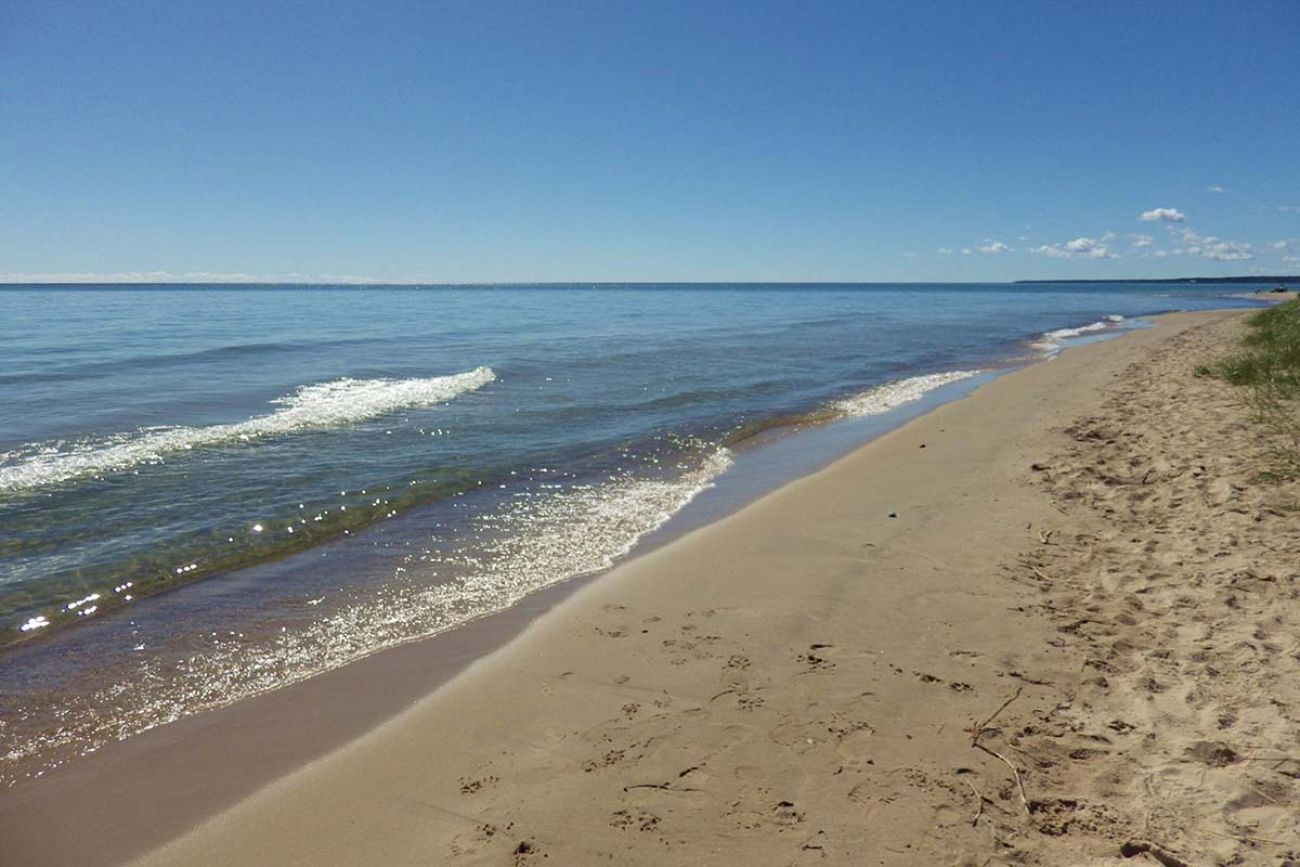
[
  {"x": 507, "y": 434},
  {"x": 1051, "y": 623}
]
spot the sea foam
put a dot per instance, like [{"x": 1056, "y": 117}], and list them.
[
  {"x": 892, "y": 395},
  {"x": 338, "y": 403},
  {"x": 1053, "y": 341},
  {"x": 535, "y": 541}
]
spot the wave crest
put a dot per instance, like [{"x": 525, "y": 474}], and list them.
[
  {"x": 328, "y": 404},
  {"x": 1053, "y": 341},
  {"x": 892, "y": 395}
]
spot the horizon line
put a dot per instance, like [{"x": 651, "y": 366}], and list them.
[{"x": 491, "y": 283}]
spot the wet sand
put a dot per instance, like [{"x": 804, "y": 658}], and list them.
[{"x": 824, "y": 677}]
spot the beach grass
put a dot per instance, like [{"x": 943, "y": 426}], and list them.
[{"x": 1268, "y": 369}]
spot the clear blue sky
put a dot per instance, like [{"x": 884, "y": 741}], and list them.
[{"x": 494, "y": 141}]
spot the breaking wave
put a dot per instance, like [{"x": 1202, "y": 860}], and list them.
[
  {"x": 1053, "y": 341},
  {"x": 892, "y": 395},
  {"x": 328, "y": 404}
]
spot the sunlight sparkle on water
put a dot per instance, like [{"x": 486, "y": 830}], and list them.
[{"x": 529, "y": 543}]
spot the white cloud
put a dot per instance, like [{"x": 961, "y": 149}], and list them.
[
  {"x": 909, "y": 255},
  {"x": 1081, "y": 248},
  {"x": 1212, "y": 247},
  {"x": 967, "y": 251},
  {"x": 1225, "y": 251},
  {"x": 994, "y": 247},
  {"x": 1088, "y": 247},
  {"x": 1215, "y": 188},
  {"x": 1289, "y": 209},
  {"x": 1142, "y": 240},
  {"x": 944, "y": 251},
  {"x": 1168, "y": 215}
]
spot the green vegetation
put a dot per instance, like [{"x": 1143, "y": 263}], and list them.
[{"x": 1269, "y": 367}]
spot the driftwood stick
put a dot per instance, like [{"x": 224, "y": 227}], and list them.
[
  {"x": 979, "y": 801},
  {"x": 1024, "y": 801},
  {"x": 979, "y": 729},
  {"x": 666, "y": 787},
  {"x": 975, "y": 742},
  {"x": 1039, "y": 572}
]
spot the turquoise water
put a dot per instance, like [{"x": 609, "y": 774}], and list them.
[{"x": 425, "y": 454}]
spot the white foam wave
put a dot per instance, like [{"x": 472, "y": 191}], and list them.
[
  {"x": 1053, "y": 341},
  {"x": 892, "y": 395},
  {"x": 329, "y": 404}
]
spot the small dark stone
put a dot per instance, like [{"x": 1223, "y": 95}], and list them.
[
  {"x": 922, "y": 445},
  {"x": 893, "y": 514}
]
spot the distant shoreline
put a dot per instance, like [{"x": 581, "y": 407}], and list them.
[
  {"x": 1265, "y": 278},
  {"x": 1290, "y": 280}
]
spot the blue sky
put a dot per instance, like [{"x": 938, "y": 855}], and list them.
[{"x": 550, "y": 141}]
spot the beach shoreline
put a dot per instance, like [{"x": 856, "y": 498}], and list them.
[{"x": 678, "y": 656}]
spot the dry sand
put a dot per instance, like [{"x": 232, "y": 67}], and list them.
[{"x": 799, "y": 683}]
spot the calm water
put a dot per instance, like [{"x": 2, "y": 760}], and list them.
[{"x": 427, "y": 454}]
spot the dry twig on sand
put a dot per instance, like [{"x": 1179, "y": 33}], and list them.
[
  {"x": 975, "y": 742},
  {"x": 979, "y": 729},
  {"x": 979, "y": 800}
]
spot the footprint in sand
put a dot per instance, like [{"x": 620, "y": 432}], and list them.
[
  {"x": 785, "y": 814},
  {"x": 753, "y": 821},
  {"x": 740, "y": 697},
  {"x": 526, "y": 853},
  {"x": 817, "y": 658},
  {"x": 856, "y": 745},
  {"x": 800, "y": 736},
  {"x": 634, "y": 820},
  {"x": 473, "y": 787}
]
